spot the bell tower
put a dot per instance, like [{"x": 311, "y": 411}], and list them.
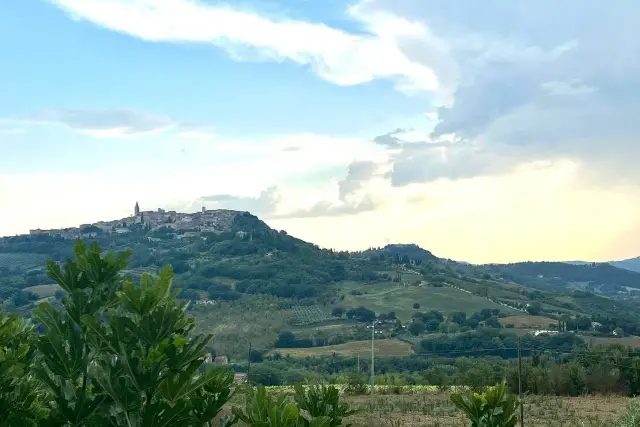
[{"x": 136, "y": 210}]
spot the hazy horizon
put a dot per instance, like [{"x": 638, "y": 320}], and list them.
[{"x": 494, "y": 132}]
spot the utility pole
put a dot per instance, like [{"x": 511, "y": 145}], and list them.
[
  {"x": 249, "y": 363},
  {"x": 520, "y": 385},
  {"x": 373, "y": 375},
  {"x": 358, "y": 363}
]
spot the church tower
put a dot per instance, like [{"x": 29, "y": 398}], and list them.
[{"x": 136, "y": 210}]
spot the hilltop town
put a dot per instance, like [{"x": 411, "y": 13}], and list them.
[{"x": 187, "y": 224}]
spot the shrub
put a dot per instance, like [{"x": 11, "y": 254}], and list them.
[
  {"x": 120, "y": 354},
  {"x": 323, "y": 401},
  {"x": 493, "y": 408}
]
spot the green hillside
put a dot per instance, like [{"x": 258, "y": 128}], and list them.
[{"x": 249, "y": 283}]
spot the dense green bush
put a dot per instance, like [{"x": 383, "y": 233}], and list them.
[{"x": 115, "y": 353}]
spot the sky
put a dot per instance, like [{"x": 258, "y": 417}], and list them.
[{"x": 493, "y": 131}]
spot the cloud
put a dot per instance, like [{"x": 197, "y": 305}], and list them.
[
  {"x": 358, "y": 174},
  {"x": 106, "y": 123},
  {"x": 389, "y": 139},
  {"x": 325, "y": 208},
  {"x": 273, "y": 204},
  {"x": 264, "y": 204},
  {"x": 117, "y": 123},
  {"x": 570, "y": 88},
  {"x": 335, "y": 55},
  {"x": 529, "y": 81}
]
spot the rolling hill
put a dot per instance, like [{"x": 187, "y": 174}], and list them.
[
  {"x": 249, "y": 283},
  {"x": 632, "y": 264}
]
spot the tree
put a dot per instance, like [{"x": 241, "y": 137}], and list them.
[
  {"x": 337, "y": 312},
  {"x": 119, "y": 354},
  {"x": 433, "y": 314},
  {"x": 416, "y": 327},
  {"x": 285, "y": 339},
  {"x": 416, "y": 306},
  {"x": 493, "y": 322},
  {"x": 256, "y": 356},
  {"x": 432, "y": 325},
  {"x": 483, "y": 291},
  {"x": 449, "y": 327},
  {"x": 485, "y": 313},
  {"x": 21, "y": 395},
  {"x": 362, "y": 314},
  {"x": 458, "y": 317},
  {"x": 534, "y": 308}
]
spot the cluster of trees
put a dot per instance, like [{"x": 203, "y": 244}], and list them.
[
  {"x": 494, "y": 342},
  {"x": 434, "y": 321},
  {"x": 288, "y": 339},
  {"x": 13, "y": 298},
  {"x": 568, "y": 371}
]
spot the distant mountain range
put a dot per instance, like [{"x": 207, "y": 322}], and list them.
[{"x": 632, "y": 264}]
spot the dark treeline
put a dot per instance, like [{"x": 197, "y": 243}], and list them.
[{"x": 602, "y": 369}]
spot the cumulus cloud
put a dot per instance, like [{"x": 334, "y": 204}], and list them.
[
  {"x": 531, "y": 81},
  {"x": 264, "y": 205},
  {"x": 272, "y": 204}
]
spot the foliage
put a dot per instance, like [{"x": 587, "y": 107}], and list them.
[
  {"x": 323, "y": 401},
  {"x": 493, "y": 408},
  {"x": 416, "y": 327},
  {"x": 356, "y": 383},
  {"x": 265, "y": 410},
  {"x": 361, "y": 314},
  {"x": 21, "y": 395},
  {"x": 119, "y": 354}
]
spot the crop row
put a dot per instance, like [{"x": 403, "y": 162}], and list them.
[
  {"x": 305, "y": 315},
  {"x": 23, "y": 261}
]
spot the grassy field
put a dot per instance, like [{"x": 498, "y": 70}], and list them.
[
  {"x": 528, "y": 322},
  {"x": 43, "y": 291},
  {"x": 399, "y": 298},
  {"x": 332, "y": 326},
  {"x": 384, "y": 347},
  {"x": 434, "y": 409},
  {"x": 626, "y": 341}
]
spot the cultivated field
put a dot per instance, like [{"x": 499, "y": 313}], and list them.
[
  {"x": 626, "y": 341},
  {"x": 25, "y": 261},
  {"x": 385, "y": 347},
  {"x": 308, "y": 315},
  {"x": 434, "y": 409},
  {"x": 383, "y": 298},
  {"x": 43, "y": 291},
  {"x": 528, "y": 322}
]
